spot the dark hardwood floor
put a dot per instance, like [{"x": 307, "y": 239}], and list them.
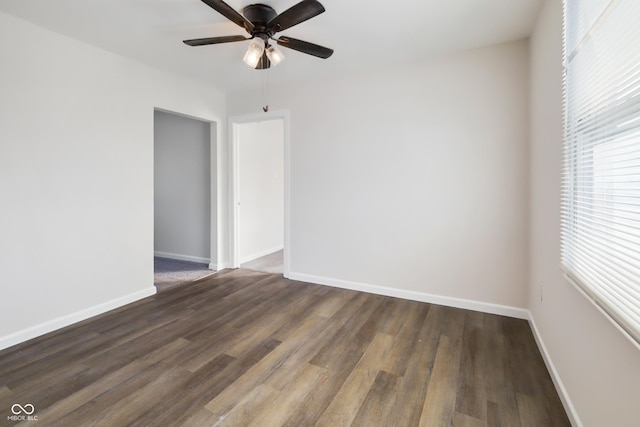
[{"x": 242, "y": 348}]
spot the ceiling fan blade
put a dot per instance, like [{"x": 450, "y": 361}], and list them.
[
  {"x": 296, "y": 14},
  {"x": 215, "y": 40},
  {"x": 305, "y": 47},
  {"x": 230, "y": 13},
  {"x": 264, "y": 62}
]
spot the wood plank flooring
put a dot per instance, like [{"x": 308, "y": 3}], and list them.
[
  {"x": 272, "y": 263},
  {"x": 243, "y": 348}
]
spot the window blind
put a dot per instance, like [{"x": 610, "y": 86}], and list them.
[{"x": 601, "y": 182}]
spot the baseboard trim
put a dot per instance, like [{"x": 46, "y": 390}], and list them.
[
  {"x": 518, "y": 313},
  {"x": 181, "y": 257},
  {"x": 69, "y": 319},
  {"x": 260, "y": 254},
  {"x": 485, "y": 307},
  {"x": 555, "y": 377}
]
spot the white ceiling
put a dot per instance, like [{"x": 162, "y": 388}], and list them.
[{"x": 363, "y": 33}]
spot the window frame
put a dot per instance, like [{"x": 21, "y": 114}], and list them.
[{"x": 591, "y": 223}]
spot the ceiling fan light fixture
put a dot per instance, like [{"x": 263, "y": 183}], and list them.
[
  {"x": 275, "y": 55},
  {"x": 254, "y": 52},
  {"x": 262, "y": 23}
]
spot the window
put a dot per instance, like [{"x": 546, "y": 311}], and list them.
[{"x": 601, "y": 188}]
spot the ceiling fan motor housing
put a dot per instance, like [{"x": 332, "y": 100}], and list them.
[{"x": 259, "y": 15}]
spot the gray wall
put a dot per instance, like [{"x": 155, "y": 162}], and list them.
[{"x": 182, "y": 186}]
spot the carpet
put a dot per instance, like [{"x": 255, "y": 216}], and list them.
[{"x": 170, "y": 272}]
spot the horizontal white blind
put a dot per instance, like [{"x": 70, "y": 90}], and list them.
[{"x": 601, "y": 188}]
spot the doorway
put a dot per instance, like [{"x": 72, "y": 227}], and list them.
[
  {"x": 183, "y": 154},
  {"x": 260, "y": 182}
]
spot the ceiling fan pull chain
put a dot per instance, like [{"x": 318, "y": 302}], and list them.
[{"x": 265, "y": 90}]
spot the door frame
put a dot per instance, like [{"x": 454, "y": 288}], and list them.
[
  {"x": 234, "y": 122},
  {"x": 215, "y": 153}
]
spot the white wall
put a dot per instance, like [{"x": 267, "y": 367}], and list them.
[
  {"x": 260, "y": 188},
  {"x": 412, "y": 179},
  {"x": 182, "y": 188},
  {"x": 76, "y": 176},
  {"x": 598, "y": 367}
]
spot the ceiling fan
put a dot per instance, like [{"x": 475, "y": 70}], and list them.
[{"x": 262, "y": 23}]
